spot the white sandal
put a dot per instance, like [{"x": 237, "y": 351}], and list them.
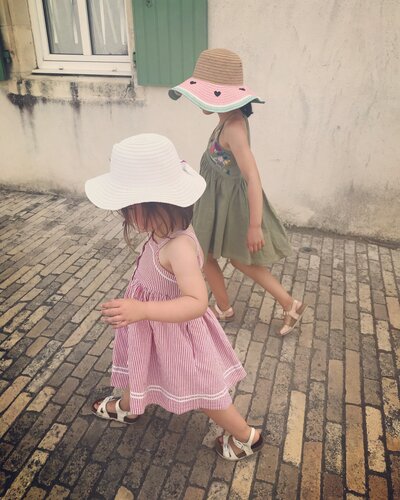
[
  {"x": 120, "y": 415},
  {"x": 228, "y": 315},
  {"x": 226, "y": 451},
  {"x": 292, "y": 318}
]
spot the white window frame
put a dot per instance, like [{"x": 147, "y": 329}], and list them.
[{"x": 86, "y": 64}]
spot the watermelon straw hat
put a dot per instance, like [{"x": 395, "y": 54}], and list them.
[{"x": 217, "y": 83}]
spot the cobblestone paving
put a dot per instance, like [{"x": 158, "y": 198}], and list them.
[{"x": 326, "y": 396}]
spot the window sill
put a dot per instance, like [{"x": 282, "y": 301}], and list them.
[
  {"x": 73, "y": 88},
  {"x": 86, "y": 72}
]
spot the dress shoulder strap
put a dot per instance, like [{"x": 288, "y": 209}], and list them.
[
  {"x": 218, "y": 130},
  {"x": 191, "y": 234},
  {"x": 246, "y": 121}
]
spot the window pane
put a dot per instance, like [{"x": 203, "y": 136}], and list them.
[
  {"x": 108, "y": 27},
  {"x": 63, "y": 28}
]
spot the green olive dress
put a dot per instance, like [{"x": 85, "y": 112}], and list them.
[{"x": 221, "y": 215}]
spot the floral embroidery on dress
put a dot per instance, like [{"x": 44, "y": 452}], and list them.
[{"x": 221, "y": 157}]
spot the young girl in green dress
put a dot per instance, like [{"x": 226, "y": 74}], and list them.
[{"x": 233, "y": 218}]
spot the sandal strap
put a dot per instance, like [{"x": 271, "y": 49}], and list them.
[
  {"x": 102, "y": 408},
  {"x": 227, "y": 449},
  {"x": 246, "y": 447},
  {"x": 121, "y": 414},
  {"x": 291, "y": 317},
  {"x": 223, "y": 314},
  {"x": 289, "y": 320}
]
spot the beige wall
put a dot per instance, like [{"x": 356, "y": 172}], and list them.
[{"x": 326, "y": 142}]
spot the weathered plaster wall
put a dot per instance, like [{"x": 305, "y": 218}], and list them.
[
  {"x": 327, "y": 141},
  {"x": 58, "y": 142}
]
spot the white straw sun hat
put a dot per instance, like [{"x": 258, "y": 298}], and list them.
[{"x": 144, "y": 168}]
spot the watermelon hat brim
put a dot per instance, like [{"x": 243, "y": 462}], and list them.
[{"x": 214, "y": 97}]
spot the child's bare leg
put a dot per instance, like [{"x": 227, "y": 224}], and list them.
[
  {"x": 233, "y": 423},
  {"x": 267, "y": 280},
  {"x": 216, "y": 281}
]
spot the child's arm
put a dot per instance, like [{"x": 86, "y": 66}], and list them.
[
  {"x": 180, "y": 256},
  {"x": 236, "y": 136}
]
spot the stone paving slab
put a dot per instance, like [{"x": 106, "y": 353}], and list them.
[{"x": 325, "y": 397}]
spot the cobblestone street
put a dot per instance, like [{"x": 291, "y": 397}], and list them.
[{"x": 325, "y": 396}]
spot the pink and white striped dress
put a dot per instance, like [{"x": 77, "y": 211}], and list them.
[{"x": 179, "y": 366}]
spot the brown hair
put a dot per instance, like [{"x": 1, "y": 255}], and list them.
[
  {"x": 247, "y": 109},
  {"x": 163, "y": 217}
]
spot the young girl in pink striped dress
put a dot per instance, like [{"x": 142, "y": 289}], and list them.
[{"x": 169, "y": 348}]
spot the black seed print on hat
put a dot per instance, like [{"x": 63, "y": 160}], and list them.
[
  {"x": 192, "y": 82},
  {"x": 241, "y": 88},
  {"x": 217, "y": 93}
]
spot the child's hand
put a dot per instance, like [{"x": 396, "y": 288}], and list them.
[
  {"x": 122, "y": 312},
  {"x": 255, "y": 239}
]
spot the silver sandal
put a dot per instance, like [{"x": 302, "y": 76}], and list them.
[
  {"x": 120, "y": 415},
  {"x": 226, "y": 451}
]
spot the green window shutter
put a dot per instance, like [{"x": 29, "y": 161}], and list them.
[
  {"x": 3, "y": 72},
  {"x": 2, "y": 69},
  {"x": 169, "y": 36}
]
